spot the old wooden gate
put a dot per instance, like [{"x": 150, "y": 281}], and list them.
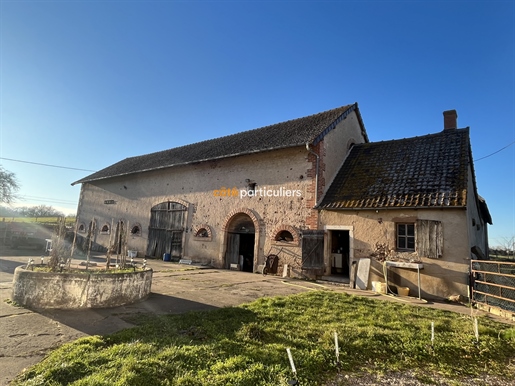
[
  {"x": 493, "y": 283},
  {"x": 166, "y": 229}
]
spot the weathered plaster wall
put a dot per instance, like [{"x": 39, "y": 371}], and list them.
[
  {"x": 477, "y": 228},
  {"x": 440, "y": 277},
  {"x": 336, "y": 146},
  {"x": 332, "y": 150},
  {"x": 194, "y": 186},
  {"x": 79, "y": 290}
]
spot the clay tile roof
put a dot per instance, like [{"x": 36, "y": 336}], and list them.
[
  {"x": 291, "y": 133},
  {"x": 426, "y": 171}
]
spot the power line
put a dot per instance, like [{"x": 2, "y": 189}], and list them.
[
  {"x": 52, "y": 166},
  {"x": 495, "y": 152},
  {"x": 51, "y": 202},
  {"x": 26, "y": 197}
]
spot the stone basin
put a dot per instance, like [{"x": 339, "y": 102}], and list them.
[{"x": 75, "y": 290}]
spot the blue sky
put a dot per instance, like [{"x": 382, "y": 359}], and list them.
[{"x": 85, "y": 84}]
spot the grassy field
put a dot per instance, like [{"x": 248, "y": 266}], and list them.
[
  {"x": 247, "y": 345},
  {"x": 40, "y": 220}
]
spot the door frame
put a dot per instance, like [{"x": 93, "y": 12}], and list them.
[
  {"x": 225, "y": 231},
  {"x": 328, "y": 240}
]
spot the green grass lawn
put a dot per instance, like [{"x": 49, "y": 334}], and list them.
[{"x": 246, "y": 345}]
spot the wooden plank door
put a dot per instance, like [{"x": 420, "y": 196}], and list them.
[
  {"x": 312, "y": 248},
  {"x": 233, "y": 249},
  {"x": 166, "y": 229}
]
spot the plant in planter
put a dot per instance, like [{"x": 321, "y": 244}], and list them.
[
  {"x": 59, "y": 286},
  {"x": 61, "y": 251}
]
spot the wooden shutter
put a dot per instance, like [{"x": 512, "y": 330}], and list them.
[
  {"x": 312, "y": 248},
  {"x": 429, "y": 237}
]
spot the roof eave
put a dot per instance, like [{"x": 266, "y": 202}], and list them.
[
  {"x": 352, "y": 108},
  {"x": 85, "y": 180},
  {"x": 392, "y": 208}
]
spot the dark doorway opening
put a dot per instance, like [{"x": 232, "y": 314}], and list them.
[
  {"x": 241, "y": 240},
  {"x": 340, "y": 252},
  {"x": 246, "y": 251}
]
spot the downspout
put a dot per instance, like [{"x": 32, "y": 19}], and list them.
[{"x": 316, "y": 171}]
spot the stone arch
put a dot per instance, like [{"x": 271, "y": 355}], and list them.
[
  {"x": 234, "y": 212},
  {"x": 136, "y": 229},
  {"x": 202, "y": 232},
  {"x": 226, "y": 230},
  {"x": 105, "y": 229},
  {"x": 81, "y": 228},
  {"x": 286, "y": 228},
  {"x": 177, "y": 200}
]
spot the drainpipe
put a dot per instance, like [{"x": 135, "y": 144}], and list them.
[{"x": 316, "y": 171}]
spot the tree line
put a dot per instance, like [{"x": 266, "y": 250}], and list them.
[
  {"x": 9, "y": 186},
  {"x": 31, "y": 211}
]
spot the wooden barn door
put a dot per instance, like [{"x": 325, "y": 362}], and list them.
[
  {"x": 166, "y": 229},
  {"x": 233, "y": 247}
]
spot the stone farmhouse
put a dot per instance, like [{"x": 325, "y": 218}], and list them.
[
  {"x": 313, "y": 191},
  {"x": 411, "y": 202}
]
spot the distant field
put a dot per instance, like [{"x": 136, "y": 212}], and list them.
[{"x": 40, "y": 220}]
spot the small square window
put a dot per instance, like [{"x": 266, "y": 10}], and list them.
[{"x": 406, "y": 237}]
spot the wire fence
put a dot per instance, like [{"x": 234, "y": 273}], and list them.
[{"x": 493, "y": 283}]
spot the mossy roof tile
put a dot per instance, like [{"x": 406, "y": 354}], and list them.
[
  {"x": 426, "y": 171},
  {"x": 286, "y": 134}
]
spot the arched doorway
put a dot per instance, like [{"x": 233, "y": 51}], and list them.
[
  {"x": 166, "y": 229},
  {"x": 241, "y": 240}
]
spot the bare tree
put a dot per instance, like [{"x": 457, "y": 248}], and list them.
[
  {"x": 8, "y": 212},
  {"x": 39, "y": 211},
  {"x": 505, "y": 247},
  {"x": 8, "y": 186},
  {"x": 508, "y": 244}
]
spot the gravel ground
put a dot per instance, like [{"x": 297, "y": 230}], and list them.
[{"x": 410, "y": 379}]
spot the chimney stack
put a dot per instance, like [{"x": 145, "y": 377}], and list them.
[{"x": 450, "y": 120}]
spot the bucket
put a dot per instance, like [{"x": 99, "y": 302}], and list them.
[
  {"x": 167, "y": 257},
  {"x": 403, "y": 291}
]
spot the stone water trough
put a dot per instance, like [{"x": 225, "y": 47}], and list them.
[{"x": 69, "y": 290}]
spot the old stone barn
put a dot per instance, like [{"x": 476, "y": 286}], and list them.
[{"x": 231, "y": 201}]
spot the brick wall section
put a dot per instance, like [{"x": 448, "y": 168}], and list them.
[
  {"x": 321, "y": 151},
  {"x": 450, "y": 120},
  {"x": 312, "y": 219}
]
